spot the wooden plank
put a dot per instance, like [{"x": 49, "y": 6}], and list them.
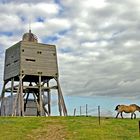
[
  {"x": 47, "y": 70},
  {"x": 38, "y": 65},
  {"x": 37, "y": 51},
  {"x": 35, "y": 44},
  {"x": 14, "y": 68},
  {"x": 37, "y": 60},
  {"x": 11, "y": 74},
  {"x": 12, "y": 53},
  {"x": 38, "y": 46},
  {"x": 36, "y": 87},
  {"x": 49, "y": 58},
  {"x": 38, "y": 68},
  {"x": 43, "y": 73},
  {"x": 11, "y": 70}
]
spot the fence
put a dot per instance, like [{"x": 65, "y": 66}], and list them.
[{"x": 87, "y": 110}]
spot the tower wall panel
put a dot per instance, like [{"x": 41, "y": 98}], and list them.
[
  {"x": 12, "y": 61},
  {"x": 30, "y": 58}
]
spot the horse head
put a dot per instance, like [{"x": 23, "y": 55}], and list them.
[{"x": 117, "y": 107}]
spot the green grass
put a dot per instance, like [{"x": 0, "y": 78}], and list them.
[{"x": 69, "y": 128}]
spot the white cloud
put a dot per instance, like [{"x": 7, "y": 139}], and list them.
[
  {"x": 94, "y": 4},
  {"x": 97, "y": 41}
]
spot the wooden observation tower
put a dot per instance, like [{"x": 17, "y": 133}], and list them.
[{"x": 29, "y": 67}]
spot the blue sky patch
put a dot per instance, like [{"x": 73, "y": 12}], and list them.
[
  {"x": 62, "y": 9},
  {"x": 63, "y": 32},
  {"x": 6, "y": 33},
  {"x": 57, "y": 2},
  {"x": 50, "y": 39},
  {"x": 65, "y": 50},
  {"x": 40, "y": 19},
  {"x": 23, "y": 19},
  {"x": 3, "y": 1}
]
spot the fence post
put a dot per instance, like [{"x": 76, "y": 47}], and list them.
[
  {"x": 86, "y": 110},
  {"x": 74, "y": 111},
  {"x": 80, "y": 110},
  {"x": 99, "y": 114}
]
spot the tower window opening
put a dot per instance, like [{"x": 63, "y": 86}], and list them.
[
  {"x": 32, "y": 60},
  {"x": 39, "y": 52},
  {"x": 15, "y": 61},
  {"x": 8, "y": 64}
]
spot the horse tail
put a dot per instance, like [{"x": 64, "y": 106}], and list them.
[{"x": 117, "y": 107}]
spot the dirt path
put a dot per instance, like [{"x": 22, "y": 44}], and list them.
[{"x": 49, "y": 132}]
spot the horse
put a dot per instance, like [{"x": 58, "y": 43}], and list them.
[{"x": 127, "y": 109}]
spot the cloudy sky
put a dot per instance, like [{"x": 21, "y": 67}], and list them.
[{"x": 98, "y": 42}]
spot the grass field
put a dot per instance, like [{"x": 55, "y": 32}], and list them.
[{"x": 67, "y": 128}]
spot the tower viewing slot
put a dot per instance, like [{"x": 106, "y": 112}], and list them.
[{"x": 29, "y": 67}]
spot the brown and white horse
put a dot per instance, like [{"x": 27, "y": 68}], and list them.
[{"x": 127, "y": 109}]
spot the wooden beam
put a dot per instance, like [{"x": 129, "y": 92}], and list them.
[
  {"x": 19, "y": 102},
  {"x": 37, "y": 104},
  {"x": 26, "y": 100},
  {"x": 20, "y": 97},
  {"x": 62, "y": 103},
  {"x": 30, "y": 87},
  {"x": 59, "y": 98},
  {"x": 2, "y": 96},
  {"x": 12, "y": 90},
  {"x": 21, "y": 94},
  {"x": 15, "y": 103},
  {"x": 40, "y": 96},
  {"x": 3, "y": 89},
  {"x": 12, "y": 86},
  {"x": 48, "y": 88}
]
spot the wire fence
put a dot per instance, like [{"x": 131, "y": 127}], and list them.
[{"x": 87, "y": 110}]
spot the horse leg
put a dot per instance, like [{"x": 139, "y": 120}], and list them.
[
  {"x": 134, "y": 116},
  {"x": 121, "y": 115},
  {"x": 131, "y": 115},
  {"x": 117, "y": 115}
]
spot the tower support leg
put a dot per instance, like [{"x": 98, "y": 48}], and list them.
[
  {"x": 12, "y": 90},
  {"x": 36, "y": 102},
  {"x": 15, "y": 103},
  {"x": 21, "y": 99},
  {"x": 49, "y": 99},
  {"x": 61, "y": 102},
  {"x": 40, "y": 96},
  {"x": 2, "y": 97}
]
